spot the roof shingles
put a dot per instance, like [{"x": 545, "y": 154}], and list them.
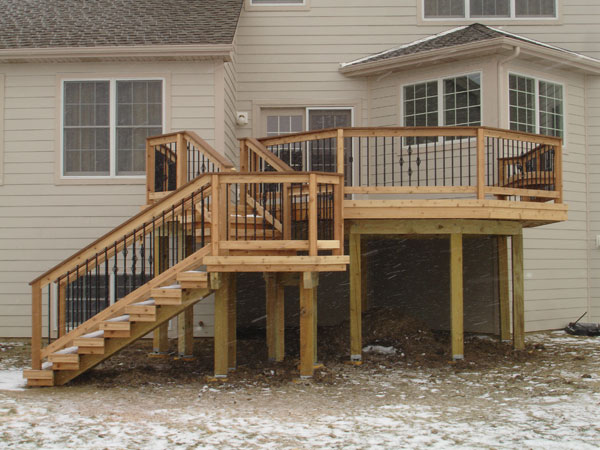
[{"x": 99, "y": 23}]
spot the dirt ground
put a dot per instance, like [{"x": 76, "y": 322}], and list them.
[{"x": 413, "y": 396}]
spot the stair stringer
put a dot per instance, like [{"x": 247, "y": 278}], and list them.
[{"x": 138, "y": 330}]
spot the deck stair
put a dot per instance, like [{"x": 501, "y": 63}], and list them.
[{"x": 115, "y": 333}]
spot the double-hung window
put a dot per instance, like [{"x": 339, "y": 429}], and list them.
[
  {"x": 536, "y": 106},
  {"x": 490, "y": 9},
  {"x": 454, "y": 101},
  {"x": 106, "y": 123}
]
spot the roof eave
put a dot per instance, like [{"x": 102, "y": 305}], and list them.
[
  {"x": 488, "y": 46},
  {"x": 107, "y": 53}
]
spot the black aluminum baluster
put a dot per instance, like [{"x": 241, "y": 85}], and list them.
[
  {"x": 97, "y": 286},
  {"x": 78, "y": 294},
  {"x": 152, "y": 253},
  {"x": 376, "y": 163},
  {"x": 183, "y": 238},
  {"x": 143, "y": 254},
  {"x": 125, "y": 277},
  {"x": 116, "y": 271},
  {"x": 418, "y": 162},
  {"x": 410, "y": 172},
  {"x": 193, "y": 231},
  {"x": 368, "y": 164},
  {"x": 237, "y": 204},
  {"x": 203, "y": 223},
  {"x": 106, "y": 279},
  {"x": 88, "y": 292},
  {"x": 384, "y": 161},
  {"x": 133, "y": 262}
]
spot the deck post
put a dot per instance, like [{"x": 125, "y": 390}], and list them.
[
  {"x": 181, "y": 160},
  {"x": 355, "y": 298},
  {"x": 243, "y": 156},
  {"x": 232, "y": 322},
  {"x": 480, "y": 164},
  {"x": 150, "y": 168},
  {"x": 185, "y": 333},
  {"x": 364, "y": 301},
  {"x": 36, "y": 326},
  {"x": 518, "y": 292},
  {"x": 308, "y": 300},
  {"x": 221, "y": 346},
  {"x": 503, "y": 296},
  {"x": 456, "y": 295},
  {"x": 275, "y": 316},
  {"x": 312, "y": 215}
]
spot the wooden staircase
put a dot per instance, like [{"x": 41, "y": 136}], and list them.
[{"x": 115, "y": 333}]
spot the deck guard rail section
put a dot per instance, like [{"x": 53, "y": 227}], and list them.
[
  {"x": 176, "y": 158},
  {"x": 301, "y": 211},
  {"x": 467, "y": 161}
]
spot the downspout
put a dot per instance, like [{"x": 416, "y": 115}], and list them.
[
  {"x": 588, "y": 228},
  {"x": 515, "y": 54}
]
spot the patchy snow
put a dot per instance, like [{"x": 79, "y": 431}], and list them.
[
  {"x": 379, "y": 349},
  {"x": 514, "y": 404},
  {"x": 12, "y": 380}
]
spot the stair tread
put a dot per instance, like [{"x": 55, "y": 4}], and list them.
[
  {"x": 123, "y": 318},
  {"x": 93, "y": 334},
  {"x": 47, "y": 365},
  {"x": 171, "y": 286},
  {"x": 148, "y": 302},
  {"x": 67, "y": 351}
]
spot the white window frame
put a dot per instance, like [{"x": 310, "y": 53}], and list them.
[
  {"x": 275, "y": 5},
  {"x": 537, "y": 101},
  {"x": 467, "y": 17},
  {"x": 112, "y": 123},
  {"x": 441, "y": 93}
]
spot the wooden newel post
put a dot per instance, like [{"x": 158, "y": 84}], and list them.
[
  {"x": 312, "y": 215},
  {"x": 181, "y": 160},
  {"x": 338, "y": 215},
  {"x": 480, "y": 164},
  {"x": 36, "y": 326},
  {"x": 243, "y": 156},
  {"x": 150, "y": 169}
]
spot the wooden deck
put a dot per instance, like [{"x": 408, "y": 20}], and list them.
[{"x": 287, "y": 212}]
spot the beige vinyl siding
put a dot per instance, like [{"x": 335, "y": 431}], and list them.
[
  {"x": 593, "y": 141},
  {"x": 230, "y": 83},
  {"x": 44, "y": 221}
]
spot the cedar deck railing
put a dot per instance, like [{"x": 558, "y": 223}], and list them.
[{"x": 441, "y": 161}]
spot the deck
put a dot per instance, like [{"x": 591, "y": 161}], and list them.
[{"x": 288, "y": 212}]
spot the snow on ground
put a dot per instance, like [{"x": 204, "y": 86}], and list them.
[{"x": 509, "y": 406}]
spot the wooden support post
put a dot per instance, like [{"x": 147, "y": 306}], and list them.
[
  {"x": 503, "y": 296},
  {"x": 518, "y": 292},
  {"x": 456, "y": 295},
  {"x": 307, "y": 331},
  {"x": 185, "y": 333},
  {"x": 232, "y": 323},
  {"x": 243, "y": 156},
  {"x": 275, "y": 316},
  {"x": 312, "y": 215},
  {"x": 62, "y": 309},
  {"x": 160, "y": 338},
  {"x": 480, "y": 164},
  {"x": 36, "y": 326},
  {"x": 364, "y": 301},
  {"x": 222, "y": 328},
  {"x": 355, "y": 299}
]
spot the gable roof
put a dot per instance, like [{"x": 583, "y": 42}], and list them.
[
  {"x": 475, "y": 36},
  {"x": 44, "y": 24}
]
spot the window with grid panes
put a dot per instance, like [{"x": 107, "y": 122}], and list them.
[
  {"x": 466, "y": 9},
  {"x": 536, "y": 106},
  {"x": 96, "y": 145}
]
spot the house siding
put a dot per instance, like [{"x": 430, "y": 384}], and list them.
[{"x": 45, "y": 220}]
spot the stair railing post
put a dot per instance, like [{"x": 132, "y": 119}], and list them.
[
  {"x": 312, "y": 215},
  {"x": 181, "y": 160},
  {"x": 36, "y": 326},
  {"x": 150, "y": 170},
  {"x": 243, "y": 155},
  {"x": 215, "y": 215},
  {"x": 340, "y": 150},
  {"x": 338, "y": 215},
  {"x": 480, "y": 164}
]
